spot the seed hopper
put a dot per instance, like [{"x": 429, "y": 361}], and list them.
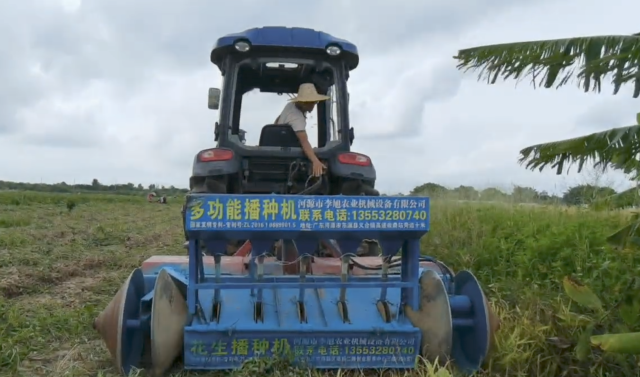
[{"x": 216, "y": 311}]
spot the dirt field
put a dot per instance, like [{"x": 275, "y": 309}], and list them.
[{"x": 62, "y": 258}]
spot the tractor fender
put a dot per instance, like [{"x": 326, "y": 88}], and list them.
[{"x": 214, "y": 168}]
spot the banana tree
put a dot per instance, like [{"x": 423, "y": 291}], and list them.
[{"x": 554, "y": 63}]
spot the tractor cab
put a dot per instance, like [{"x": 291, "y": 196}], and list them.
[{"x": 255, "y": 155}]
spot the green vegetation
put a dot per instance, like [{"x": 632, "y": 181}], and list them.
[
  {"x": 94, "y": 188},
  {"x": 577, "y": 195},
  {"x": 628, "y": 307},
  {"x": 59, "y": 267},
  {"x": 589, "y": 60}
]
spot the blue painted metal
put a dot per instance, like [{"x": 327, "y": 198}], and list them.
[
  {"x": 134, "y": 324},
  {"x": 327, "y": 349},
  {"x": 281, "y": 324},
  {"x": 285, "y": 37},
  {"x": 221, "y": 217},
  {"x": 306, "y": 219},
  {"x": 471, "y": 340},
  {"x": 233, "y": 318}
]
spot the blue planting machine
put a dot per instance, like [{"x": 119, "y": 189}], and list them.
[
  {"x": 279, "y": 295},
  {"x": 218, "y": 318}
]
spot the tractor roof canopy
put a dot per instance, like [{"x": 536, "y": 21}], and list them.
[
  {"x": 270, "y": 38},
  {"x": 282, "y": 75}
]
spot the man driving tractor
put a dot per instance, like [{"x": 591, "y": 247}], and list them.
[{"x": 295, "y": 115}]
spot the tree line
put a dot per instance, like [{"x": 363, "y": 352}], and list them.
[
  {"x": 577, "y": 195},
  {"x": 94, "y": 187}
]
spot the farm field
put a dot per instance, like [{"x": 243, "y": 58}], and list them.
[{"x": 63, "y": 257}]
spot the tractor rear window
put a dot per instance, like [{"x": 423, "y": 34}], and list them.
[
  {"x": 265, "y": 88},
  {"x": 260, "y": 109}
]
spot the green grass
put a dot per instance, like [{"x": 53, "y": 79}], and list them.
[{"x": 59, "y": 268}]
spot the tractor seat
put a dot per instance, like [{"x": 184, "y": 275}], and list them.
[{"x": 278, "y": 135}]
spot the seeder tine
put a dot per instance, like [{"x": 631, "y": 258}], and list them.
[
  {"x": 215, "y": 312},
  {"x": 258, "y": 310},
  {"x": 344, "y": 278},
  {"x": 256, "y": 270},
  {"x": 304, "y": 265},
  {"x": 386, "y": 260}
]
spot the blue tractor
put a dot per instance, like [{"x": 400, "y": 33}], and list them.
[
  {"x": 278, "y": 60},
  {"x": 280, "y": 294}
]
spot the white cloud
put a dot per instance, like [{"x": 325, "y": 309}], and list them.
[{"x": 116, "y": 90}]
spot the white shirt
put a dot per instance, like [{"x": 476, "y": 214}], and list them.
[{"x": 292, "y": 116}]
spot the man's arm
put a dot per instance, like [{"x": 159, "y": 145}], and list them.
[
  {"x": 299, "y": 126},
  {"x": 306, "y": 146}
]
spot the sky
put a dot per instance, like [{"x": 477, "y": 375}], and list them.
[{"x": 116, "y": 90}]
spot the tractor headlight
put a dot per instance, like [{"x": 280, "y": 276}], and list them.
[
  {"x": 334, "y": 50},
  {"x": 242, "y": 46}
]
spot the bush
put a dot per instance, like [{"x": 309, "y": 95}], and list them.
[{"x": 521, "y": 254}]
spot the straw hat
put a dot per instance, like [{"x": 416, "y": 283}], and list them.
[{"x": 308, "y": 93}]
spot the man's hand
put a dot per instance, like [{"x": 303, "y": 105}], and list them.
[{"x": 318, "y": 168}]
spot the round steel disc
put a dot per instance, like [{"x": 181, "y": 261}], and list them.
[
  {"x": 130, "y": 336},
  {"x": 471, "y": 345},
  {"x": 434, "y": 318},
  {"x": 168, "y": 318}
]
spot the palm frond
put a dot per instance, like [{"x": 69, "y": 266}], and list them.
[
  {"x": 557, "y": 62},
  {"x": 617, "y": 148}
]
